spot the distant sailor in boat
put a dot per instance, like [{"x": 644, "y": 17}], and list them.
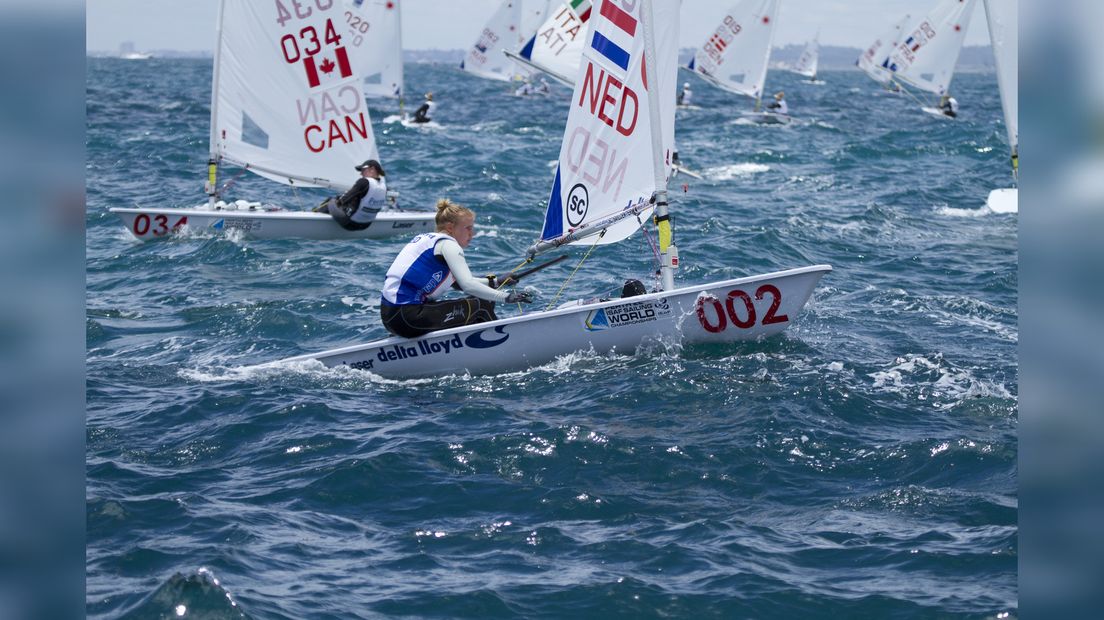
[
  {"x": 949, "y": 106},
  {"x": 422, "y": 114},
  {"x": 543, "y": 87},
  {"x": 357, "y": 208},
  {"x": 524, "y": 90},
  {"x": 427, "y": 268},
  {"x": 779, "y": 106},
  {"x": 684, "y": 95}
]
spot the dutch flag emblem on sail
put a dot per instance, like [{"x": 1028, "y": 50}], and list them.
[{"x": 612, "y": 42}]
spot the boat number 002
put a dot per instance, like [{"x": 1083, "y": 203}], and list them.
[
  {"x": 158, "y": 225},
  {"x": 731, "y": 310}
]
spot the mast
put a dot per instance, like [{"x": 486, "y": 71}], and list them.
[
  {"x": 212, "y": 160},
  {"x": 668, "y": 252},
  {"x": 402, "y": 82}
]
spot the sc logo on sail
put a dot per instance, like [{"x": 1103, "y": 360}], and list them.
[{"x": 578, "y": 200}]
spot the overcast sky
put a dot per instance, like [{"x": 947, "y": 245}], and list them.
[{"x": 188, "y": 25}]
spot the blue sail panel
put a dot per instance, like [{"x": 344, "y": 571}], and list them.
[{"x": 553, "y": 218}]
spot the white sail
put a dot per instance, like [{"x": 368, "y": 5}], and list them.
[
  {"x": 486, "y": 58},
  {"x": 927, "y": 55},
  {"x": 807, "y": 64},
  {"x": 604, "y": 168},
  {"x": 288, "y": 100},
  {"x": 376, "y": 26},
  {"x": 874, "y": 56},
  {"x": 557, "y": 46},
  {"x": 735, "y": 55},
  {"x": 1003, "y": 22}
]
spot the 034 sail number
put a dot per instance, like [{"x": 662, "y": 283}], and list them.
[
  {"x": 158, "y": 225},
  {"x": 739, "y": 309}
]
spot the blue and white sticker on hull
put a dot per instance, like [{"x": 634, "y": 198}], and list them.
[{"x": 626, "y": 314}]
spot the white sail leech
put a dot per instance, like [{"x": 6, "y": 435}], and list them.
[{"x": 378, "y": 33}]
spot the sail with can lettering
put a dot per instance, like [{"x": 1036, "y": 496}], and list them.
[
  {"x": 872, "y": 58},
  {"x": 735, "y": 55},
  {"x": 602, "y": 169},
  {"x": 486, "y": 58},
  {"x": 928, "y": 51},
  {"x": 557, "y": 46},
  {"x": 288, "y": 100},
  {"x": 287, "y": 104}
]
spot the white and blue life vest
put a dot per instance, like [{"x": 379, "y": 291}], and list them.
[
  {"x": 417, "y": 273},
  {"x": 372, "y": 202}
]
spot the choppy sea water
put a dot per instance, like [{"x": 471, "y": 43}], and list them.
[{"x": 862, "y": 464}]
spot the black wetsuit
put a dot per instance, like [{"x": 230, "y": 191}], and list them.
[
  {"x": 421, "y": 112},
  {"x": 413, "y": 320}
]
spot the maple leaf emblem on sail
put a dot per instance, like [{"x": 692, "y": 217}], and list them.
[{"x": 327, "y": 66}]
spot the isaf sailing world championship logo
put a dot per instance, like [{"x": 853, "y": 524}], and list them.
[{"x": 626, "y": 314}]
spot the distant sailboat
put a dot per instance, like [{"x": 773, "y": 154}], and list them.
[
  {"x": 377, "y": 25},
  {"x": 877, "y": 54},
  {"x": 287, "y": 104},
  {"x": 926, "y": 56},
  {"x": 735, "y": 56},
  {"x": 806, "y": 65},
  {"x": 486, "y": 59},
  {"x": 557, "y": 47},
  {"x": 1003, "y": 22}
]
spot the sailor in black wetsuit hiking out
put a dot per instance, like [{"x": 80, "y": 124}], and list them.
[
  {"x": 426, "y": 268},
  {"x": 357, "y": 208},
  {"x": 421, "y": 115}
]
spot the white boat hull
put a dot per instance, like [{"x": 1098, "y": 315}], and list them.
[
  {"x": 150, "y": 224},
  {"x": 937, "y": 113},
  {"x": 767, "y": 118},
  {"x": 1004, "y": 200},
  {"x": 728, "y": 311}
]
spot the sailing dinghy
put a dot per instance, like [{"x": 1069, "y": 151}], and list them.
[
  {"x": 926, "y": 56},
  {"x": 287, "y": 104},
  {"x": 735, "y": 56},
  {"x": 806, "y": 64},
  {"x": 874, "y": 57},
  {"x": 611, "y": 179},
  {"x": 1003, "y": 22},
  {"x": 486, "y": 59}
]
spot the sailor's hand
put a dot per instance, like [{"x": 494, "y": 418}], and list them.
[{"x": 520, "y": 297}]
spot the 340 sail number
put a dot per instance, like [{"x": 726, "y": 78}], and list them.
[
  {"x": 739, "y": 309},
  {"x": 158, "y": 225}
]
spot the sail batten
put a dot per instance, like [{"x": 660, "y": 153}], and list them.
[{"x": 288, "y": 101}]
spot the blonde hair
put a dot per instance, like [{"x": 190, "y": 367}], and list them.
[{"x": 449, "y": 211}]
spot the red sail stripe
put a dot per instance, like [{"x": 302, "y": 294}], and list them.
[
  {"x": 619, "y": 17},
  {"x": 343, "y": 62}
]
